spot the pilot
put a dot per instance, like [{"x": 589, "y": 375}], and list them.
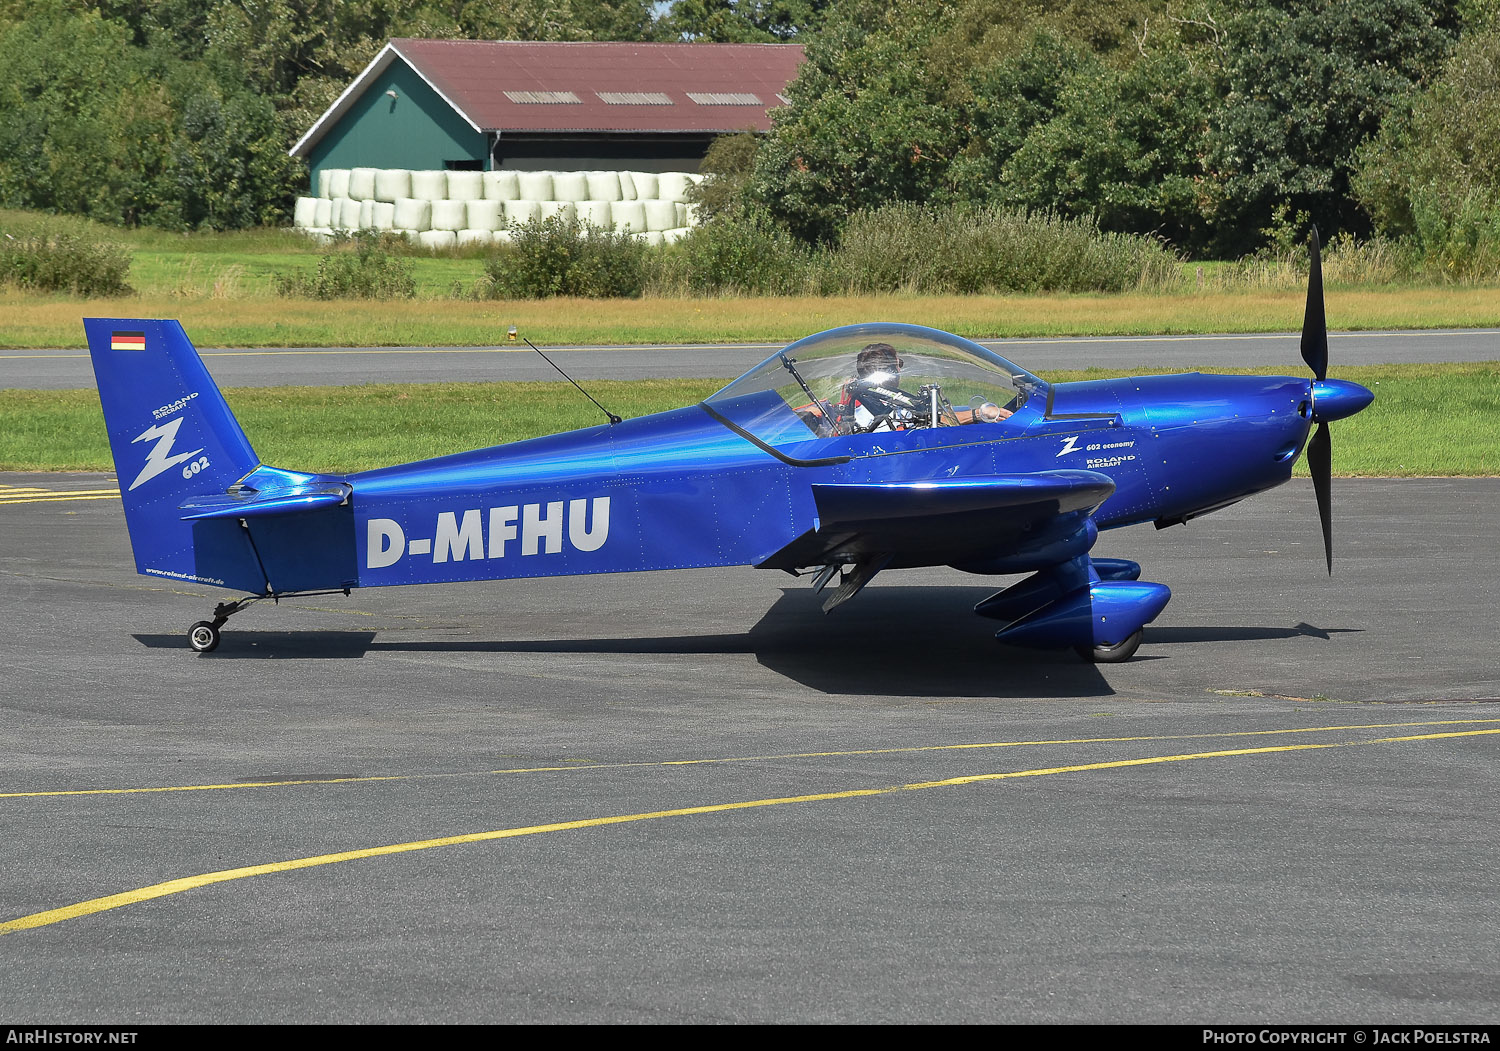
[
  {"x": 878, "y": 358},
  {"x": 868, "y": 403}
]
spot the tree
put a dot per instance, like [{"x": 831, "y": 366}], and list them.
[
  {"x": 867, "y": 122},
  {"x": 1433, "y": 172},
  {"x": 1121, "y": 144},
  {"x": 1306, "y": 82},
  {"x": 95, "y": 126},
  {"x": 83, "y": 121},
  {"x": 744, "y": 21},
  {"x": 928, "y": 102}
]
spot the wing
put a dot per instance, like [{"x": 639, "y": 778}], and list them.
[{"x": 951, "y": 521}]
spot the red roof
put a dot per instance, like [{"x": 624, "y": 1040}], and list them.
[
  {"x": 510, "y": 86},
  {"x": 600, "y": 87}
]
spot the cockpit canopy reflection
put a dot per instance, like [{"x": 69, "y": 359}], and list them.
[{"x": 867, "y": 378}]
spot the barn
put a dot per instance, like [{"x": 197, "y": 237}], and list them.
[
  {"x": 482, "y": 105},
  {"x": 461, "y": 141}
]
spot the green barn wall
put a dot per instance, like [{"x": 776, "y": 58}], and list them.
[{"x": 416, "y": 130}]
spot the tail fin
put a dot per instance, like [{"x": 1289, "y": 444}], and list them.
[{"x": 173, "y": 438}]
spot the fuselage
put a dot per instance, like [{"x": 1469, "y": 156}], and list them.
[{"x": 686, "y": 489}]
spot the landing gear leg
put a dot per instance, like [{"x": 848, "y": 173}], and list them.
[{"x": 204, "y": 636}]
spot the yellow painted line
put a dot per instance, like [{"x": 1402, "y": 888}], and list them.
[
  {"x": 177, "y": 886},
  {"x": 913, "y": 749},
  {"x": 8, "y": 494},
  {"x": 296, "y": 353},
  {"x": 58, "y": 499}
]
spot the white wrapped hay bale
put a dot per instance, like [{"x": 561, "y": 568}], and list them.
[
  {"x": 629, "y": 214},
  {"x": 570, "y": 186},
  {"x": 673, "y": 236},
  {"x": 366, "y": 215},
  {"x": 652, "y": 237},
  {"x": 410, "y": 235},
  {"x": 672, "y": 186},
  {"x": 604, "y": 186},
  {"x": 627, "y": 186},
  {"x": 305, "y": 212},
  {"x": 361, "y": 184},
  {"x": 519, "y": 213},
  {"x": 689, "y": 214},
  {"x": 501, "y": 186},
  {"x": 429, "y": 186},
  {"x": 595, "y": 213},
  {"x": 438, "y": 238},
  {"x": 465, "y": 186},
  {"x": 323, "y": 214},
  {"x": 449, "y": 215},
  {"x": 333, "y": 182},
  {"x": 382, "y": 215},
  {"x": 484, "y": 215},
  {"x": 392, "y": 184},
  {"x": 413, "y": 214},
  {"x": 475, "y": 237},
  {"x": 534, "y": 186},
  {"x": 645, "y": 185},
  {"x": 503, "y": 236},
  {"x": 660, "y": 215},
  {"x": 564, "y": 211}
]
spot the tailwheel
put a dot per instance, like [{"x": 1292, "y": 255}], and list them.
[
  {"x": 204, "y": 636},
  {"x": 1116, "y": 654}
]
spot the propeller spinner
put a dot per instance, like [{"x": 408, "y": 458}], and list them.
[{"x": 1331, "y": 399}]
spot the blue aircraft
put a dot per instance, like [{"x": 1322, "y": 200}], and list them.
[{"x": 852, "y": 451}]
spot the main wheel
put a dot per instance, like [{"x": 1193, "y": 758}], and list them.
[
  {"x": 1116, "y": 654},
  {"x": 203, "y": 637}
]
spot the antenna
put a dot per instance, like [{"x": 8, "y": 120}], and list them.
[{"x": 613, "y": 419}]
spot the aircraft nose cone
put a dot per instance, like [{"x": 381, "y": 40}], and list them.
[{"x": 1336, "y": 399}]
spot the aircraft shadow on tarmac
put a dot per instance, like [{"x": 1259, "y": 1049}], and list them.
[
  {"x": 274, "y": 645},
  {"x": 1170, "y": 636},
  {"x": 898, "y": 641}
]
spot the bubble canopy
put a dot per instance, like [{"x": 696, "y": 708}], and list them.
[{"x": 875, "y": 377}]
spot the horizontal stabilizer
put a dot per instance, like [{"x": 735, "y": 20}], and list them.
[
  {"x": 939, "y": 522},
  {"x": 251, "y": 503}
]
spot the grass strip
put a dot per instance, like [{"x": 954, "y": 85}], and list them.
[
  {"x": 1427, "y": 420},
  {"x": 42, "y": 321}
]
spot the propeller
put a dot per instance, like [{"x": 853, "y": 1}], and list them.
[
  {"x": 1315, "y": 353},
  {"x": 1331, "y": 399},
  {"x": 1314, "y": 324}
]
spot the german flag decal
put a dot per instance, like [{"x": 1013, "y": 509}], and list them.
[{"x": 127, "y": 341}]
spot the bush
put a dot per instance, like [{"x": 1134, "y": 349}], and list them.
[
  {"x": 742, "y": 253},
  {"x": 59, "y": 255},
  {"x": 957, "y": 250},
  {"x": 910, "y": 248},
  {"x": 369, "y": 271},
  {"x": 1432, "y": 176},
  {"x": 564, "y": 257},
  {"x": 1347, "y": 262}
]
